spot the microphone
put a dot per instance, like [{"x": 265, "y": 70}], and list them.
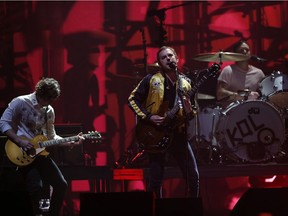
[
  {"x": 256, "y": 58},
  {"x": 172, "y": 65}
]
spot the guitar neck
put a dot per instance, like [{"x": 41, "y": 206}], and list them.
[
  {"x": 196, "y": 86},
  {"x": 209, "y": 72},
  {"x": 58, "y": 141},
  {"x": 64, "y": 140}
]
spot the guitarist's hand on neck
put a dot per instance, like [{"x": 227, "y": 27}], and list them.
[{"x": 79, "y": 141}]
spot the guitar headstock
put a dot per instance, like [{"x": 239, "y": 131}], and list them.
[
  {"x": 94, "y": 135},
  {"x": 213, "y": 69}
]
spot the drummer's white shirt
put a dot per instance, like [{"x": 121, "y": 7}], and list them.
[{"x": 239, "y": 79}]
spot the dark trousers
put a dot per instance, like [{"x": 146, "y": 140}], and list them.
[
  {"x": 181, "y": 150},
  {"x": 39, "y": 176}
]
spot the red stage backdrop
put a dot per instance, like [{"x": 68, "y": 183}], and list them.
[{"x": 97, "y": 50}]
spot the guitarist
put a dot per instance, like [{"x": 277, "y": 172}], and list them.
[
  {"x": 146, "y": 101},
  {"x": 28, "y": 116}
]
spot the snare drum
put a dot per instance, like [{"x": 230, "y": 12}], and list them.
[
  {"x": 274, "y": 89},
  {"x": 250, "y": 131}
]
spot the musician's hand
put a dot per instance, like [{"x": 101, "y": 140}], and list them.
[
  {"x": 157, "y": 120},
  {"x": 253, "y": 95},
  {"x": 25, "y": 145},
  {"x": 79, "y": 141}
]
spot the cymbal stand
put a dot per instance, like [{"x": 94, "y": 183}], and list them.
[
  {"x": 198, "y": 139},
  {"x": 196, "y": 129}
]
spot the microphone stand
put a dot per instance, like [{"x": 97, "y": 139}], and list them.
[{"x": 183, "y": 100}]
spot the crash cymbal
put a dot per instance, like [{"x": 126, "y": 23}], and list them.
[
  {"x": 221, "y": 57},
  {"x": 150, "y": 67},
  {"x": 202, "y": 96}
]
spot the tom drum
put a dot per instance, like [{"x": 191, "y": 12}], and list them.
[{"x": 274, "y": 89}]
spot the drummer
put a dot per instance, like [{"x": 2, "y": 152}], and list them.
[{"x": 239, "y": 81}]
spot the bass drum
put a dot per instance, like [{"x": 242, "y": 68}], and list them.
[{"x": 250, "y": 131}]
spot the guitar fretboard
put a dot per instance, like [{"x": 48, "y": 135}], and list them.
[
  {"x": 58, "y": 141},
  {"x": 47, "y": 143}
]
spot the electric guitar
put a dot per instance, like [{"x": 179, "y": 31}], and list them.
[
  {"x": 154, "y": 139},
  {"x": 22, "y": 158}
]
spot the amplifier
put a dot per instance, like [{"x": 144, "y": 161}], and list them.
[{"x": 64, "y": 155}]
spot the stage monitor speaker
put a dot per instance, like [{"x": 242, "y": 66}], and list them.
[
  {"x": 117, "y": 203},
  {"x": 64, "y": 155},
  {"x": 259, "y": 200},
  {"x": 179, "y": 206}
]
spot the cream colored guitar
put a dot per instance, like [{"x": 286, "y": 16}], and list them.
[{"x": 22, "y": 158}]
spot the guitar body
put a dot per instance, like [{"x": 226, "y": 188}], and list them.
[
  {"x": 152, "y": 138},
  {"x": 21, "y": 158}
]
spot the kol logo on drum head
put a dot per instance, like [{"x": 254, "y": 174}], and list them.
[{"x": 250, "y": 131}]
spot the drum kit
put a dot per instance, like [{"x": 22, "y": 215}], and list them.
[{"x": 247, "y": 131}]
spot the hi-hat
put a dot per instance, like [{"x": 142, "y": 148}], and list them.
[
  {"x": 202, "y": 96},
  {"x": 221, "y": 57}
]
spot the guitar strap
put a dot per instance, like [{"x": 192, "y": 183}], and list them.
[{"x": 183, "y": 100}]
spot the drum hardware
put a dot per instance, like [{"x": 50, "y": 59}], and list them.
[
  {"x": 201, "y": 96},
  {"x": 221, "y": 57},
  {"x": 255, "y": 151},
  {"x": 257, "y": 58},
  {"x": 244, "y": 93},
  {"x": 202, "y": 137}
]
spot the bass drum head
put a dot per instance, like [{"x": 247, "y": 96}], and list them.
[{"x": 250, "y": 131}]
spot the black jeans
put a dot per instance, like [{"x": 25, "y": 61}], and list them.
[
  {"x": 42, "y": 172},
  {"x": 181, "y": 150}
]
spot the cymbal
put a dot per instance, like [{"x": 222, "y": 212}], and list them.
[
  {"x": 202, "y": 96},
  {"x": 221, "y": 57}
]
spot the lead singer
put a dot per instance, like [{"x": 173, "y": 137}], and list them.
[{"x": 162, "y": 104}]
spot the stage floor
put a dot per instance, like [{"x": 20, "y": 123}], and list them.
[{"x": 213, "y": 170}]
